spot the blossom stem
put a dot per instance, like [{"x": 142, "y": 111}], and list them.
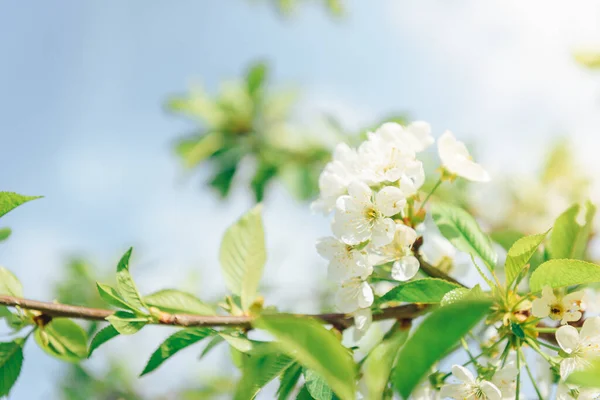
[
  {"x": 518, "y": 376},
  {"x": 535, "y": 387},
  {"x": 437, "y": 185},
  {"x": 546, "y": 330},
  {"x": 549, "y": 346},
  {"x": 537, "y": 349}
]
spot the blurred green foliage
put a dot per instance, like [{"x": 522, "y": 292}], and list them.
[{"x": 248, "y": 122}]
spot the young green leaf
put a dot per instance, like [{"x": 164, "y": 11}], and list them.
[
  {"x": 519, "y": 255},
  {"x": 11, "y": 360},
  {"x": 177, "y": 302},
  {"x": 174, "y": 343},
  {"x": 214, "y": 342},
  {"x": 243, "y": 256},
  {"x": 103, "y": 336},
  {"x": 196, "y": 149},
  {"x": 240, "y": 343},
  {"x": 428, "y": 290},
  {"x": 4, "y": 234},
  {"x": 127, "y": 323},
  {"x": 461, "y": 229},
  {"x": 9, "y": 284},
  {"x": 125, "y": 284},
  {"x": 506, "y": 238},
  {"x": 316, "y": 385},
  {"x": 587, "y": 378},
  {"x": 259, "y": 370},
  {"x": 461, "y": 294},
  {"x": 314, "y": 347},
  {"x": 432, "y": 340},
  {"x": 256, "y": 77},
  {"x": 289, "y": 378},
  {"x": 568, "y": 238},
  {"x": 63, "y": 339},
  {"x": 379, "y": 363},
  {"x": 112, "y": 297},
  {"x": 9, "y": 201},
  {"x": 561, "y": 273}
]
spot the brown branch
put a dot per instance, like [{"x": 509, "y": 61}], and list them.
[
  {"x": 404, "y": 312},
  {"x": 429, "y": 269}
]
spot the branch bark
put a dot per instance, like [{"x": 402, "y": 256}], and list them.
[{"x": 55, "y": 310}]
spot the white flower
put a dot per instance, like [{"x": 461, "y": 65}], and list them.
[
  {"x": 457, "y": 160},
  {"x": 353, "y": 295},
  {"x": 416, "y": 136},
  {"x": 569, "y": 392},
  {"x": 335, "y": 178},
  {"x": 470, "y": 388},
  {"x": 565, "y": 309},
  {"x": 362, "y": 322},
  {"x": 359, "y": 217},
  {"x": 399, "y": 251},
  {"x": 505, "y": 379},
  {"x": 581, "y": 347},
  {"x": 345, "y": 262}
]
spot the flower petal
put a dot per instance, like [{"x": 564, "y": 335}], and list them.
[
  {"x": 360, "y": 193},
  {"x": 362, "y": 322},
  {"x": 405, "y": 268},
  {"x": 457, "y": 391},
  {"x": 490, "y": 390},
  {"x": 567, "y": 338},
  {"x": 462, "y": 374},
  {"x": 390, "y": 201},
  {"x": 540, "y": 308},
  {"x": 383, "y": 231},
  {"x": 329, "y": 247}
]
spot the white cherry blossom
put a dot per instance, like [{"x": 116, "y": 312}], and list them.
[
  {"x": 335, "y": 178},
  {"x": 582, "y": 347},
  {"x": 457, "y": 160},
  {"x": 570, "y": 392},
  {"x": 566, "y": 309},
  {"x": 360, "y": 216},
  {"x": 405, "y": 265},
  {"x": 354, "y": 294},
  {"x": 345, "y": 262},
  {"x": 425, "y": 392},
  {"x": 469, "y": 388},
  {"x": 505, "y": 379}
]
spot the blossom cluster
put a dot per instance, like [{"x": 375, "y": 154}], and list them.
[{"x": 372, "y": 192}]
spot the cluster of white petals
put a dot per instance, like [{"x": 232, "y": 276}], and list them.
[
  {"x": 368, "y": 190},
  {"x": 502, "y": 386},
  {"x": 582, "y": 347},
  {"x": 566, "y": 309}
]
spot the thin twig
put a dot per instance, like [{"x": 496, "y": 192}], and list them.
[{"x": 403, "y": 312}]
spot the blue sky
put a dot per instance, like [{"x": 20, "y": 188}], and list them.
[{"x": 81, "y": 122}]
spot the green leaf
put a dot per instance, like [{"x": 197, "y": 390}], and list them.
[
  {"x": 461, "y": 294},
  {"x": 175, "y": 301},
  {"x": 196, "y": 149},
  {"x": 240, "y": 343},
  {"x": 561, "y": 273},
  {"x": 316, "y": 385},
  {"x": 519, "y": 255},
  {"x": 11, "y": 360},
  {"x": 4, "y": 234},
  {"x": 9, "y": 284},
  {"x": 214, "y": 342},
  {"x": 587, "y": 378},
  {"x": 506, "y": 238},
  {"x": 9, "y": 201},
  {"x": 256, "y": 77},
  {"x": 125, "y": 284},
  {"x": 380, "y": 361},
  {"x": 289, "y": 378},
  {"x": 63, "y": 339},
  {"x": 223, "y": 179},
  {"x": 432, "y": 340},
  {"x": 517, "y": 330},
  {"x": 316, "y": 348},
  {"x": 127, "y": 323},
  {"x": 112, "y": 297},
  {"x": 568, "y": 238},
  {"x": 264, "y": 174},
  {"x": 461, "y": 229},
  {"x": 428, "y": 290},
  {"x": 258, "y": 371},
  {"x": 174, "y": 343},
  {"x": 103, "y": 336},
  {"x": 243, "y": 256}
]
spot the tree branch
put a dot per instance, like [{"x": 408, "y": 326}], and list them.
[{"x": 404, "y": 312}]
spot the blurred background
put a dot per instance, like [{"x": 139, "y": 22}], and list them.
[{"x": 158, "y": 124}]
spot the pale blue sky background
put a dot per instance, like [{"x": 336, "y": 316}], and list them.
[{"x": 81, "y": 90}]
